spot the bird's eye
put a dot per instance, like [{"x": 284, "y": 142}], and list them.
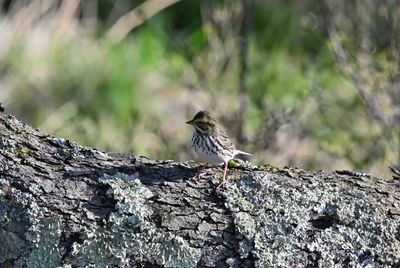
[{"x": 203, "y": 126}]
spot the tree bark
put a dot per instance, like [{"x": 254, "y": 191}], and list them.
[{"x": 64, "y": 205}]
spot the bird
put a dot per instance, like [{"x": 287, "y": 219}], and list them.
[{"x": 211, "y": 143}]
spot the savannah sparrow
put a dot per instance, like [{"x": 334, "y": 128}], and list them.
[{"x": 211, "y": 143}]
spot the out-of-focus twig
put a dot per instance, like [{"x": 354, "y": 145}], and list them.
[
  {"x": 23, "y": 17},
  {"x": 362, "y": 67},
  {"x": 66, "y": 14},
  {"x": 90, "y": 10},
  {"x": 137, "y": 16},
  {"x": 349, "y": 70},
  {"x": 244, "y": 35},
  {"x": 68, "y": 9}
]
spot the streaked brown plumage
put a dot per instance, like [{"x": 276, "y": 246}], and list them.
[{"x": 211, "y": 143}]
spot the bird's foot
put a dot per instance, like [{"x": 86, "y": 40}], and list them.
[
  {"x": 200, "y": 173},
  {"x": 197, "y": 177},
  {"x": 222, "y": 184}
]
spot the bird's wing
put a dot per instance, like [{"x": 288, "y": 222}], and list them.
[{"x": 224, "y": 141}]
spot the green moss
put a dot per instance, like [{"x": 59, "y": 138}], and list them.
[
  {"x": 270, "y": 168},
  {"x": 24, "y": 150},
  {"x": 233, "y": 164}
]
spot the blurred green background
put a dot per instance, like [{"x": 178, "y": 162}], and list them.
[{"x": 308, "y": 83}]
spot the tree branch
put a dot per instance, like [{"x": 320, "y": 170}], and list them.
[{"x": 63, "y": 204}]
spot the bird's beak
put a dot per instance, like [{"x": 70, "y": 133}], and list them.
[{"x": 190, "y": 122}]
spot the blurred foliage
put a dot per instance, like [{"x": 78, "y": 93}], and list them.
[{"x": 61, "y": 72}]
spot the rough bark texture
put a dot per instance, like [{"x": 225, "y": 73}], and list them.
[{"x": 65, "y": 205}]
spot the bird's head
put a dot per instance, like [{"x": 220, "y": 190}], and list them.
[{"x": 203, "y": 123}]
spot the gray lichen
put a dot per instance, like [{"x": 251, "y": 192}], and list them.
[
  {"x": 58, "y": 141},
  {"x": 128, "y": 233},
  {"x": 45, "y": 251},
  {"x": 283, "y": 214},
  {"x": 22, "y": 217},
  {"x": 10, "y": 245},
  {"x": 7, "y": 144}
]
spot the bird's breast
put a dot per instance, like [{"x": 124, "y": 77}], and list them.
[{"x": 207, "y": 151}]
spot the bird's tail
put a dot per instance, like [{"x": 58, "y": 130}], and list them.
[{"x": 241, "y": 152}]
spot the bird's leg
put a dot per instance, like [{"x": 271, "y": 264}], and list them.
[
  {"x": 200, "y": 172},
  {"x": 223, "y": 178}
]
